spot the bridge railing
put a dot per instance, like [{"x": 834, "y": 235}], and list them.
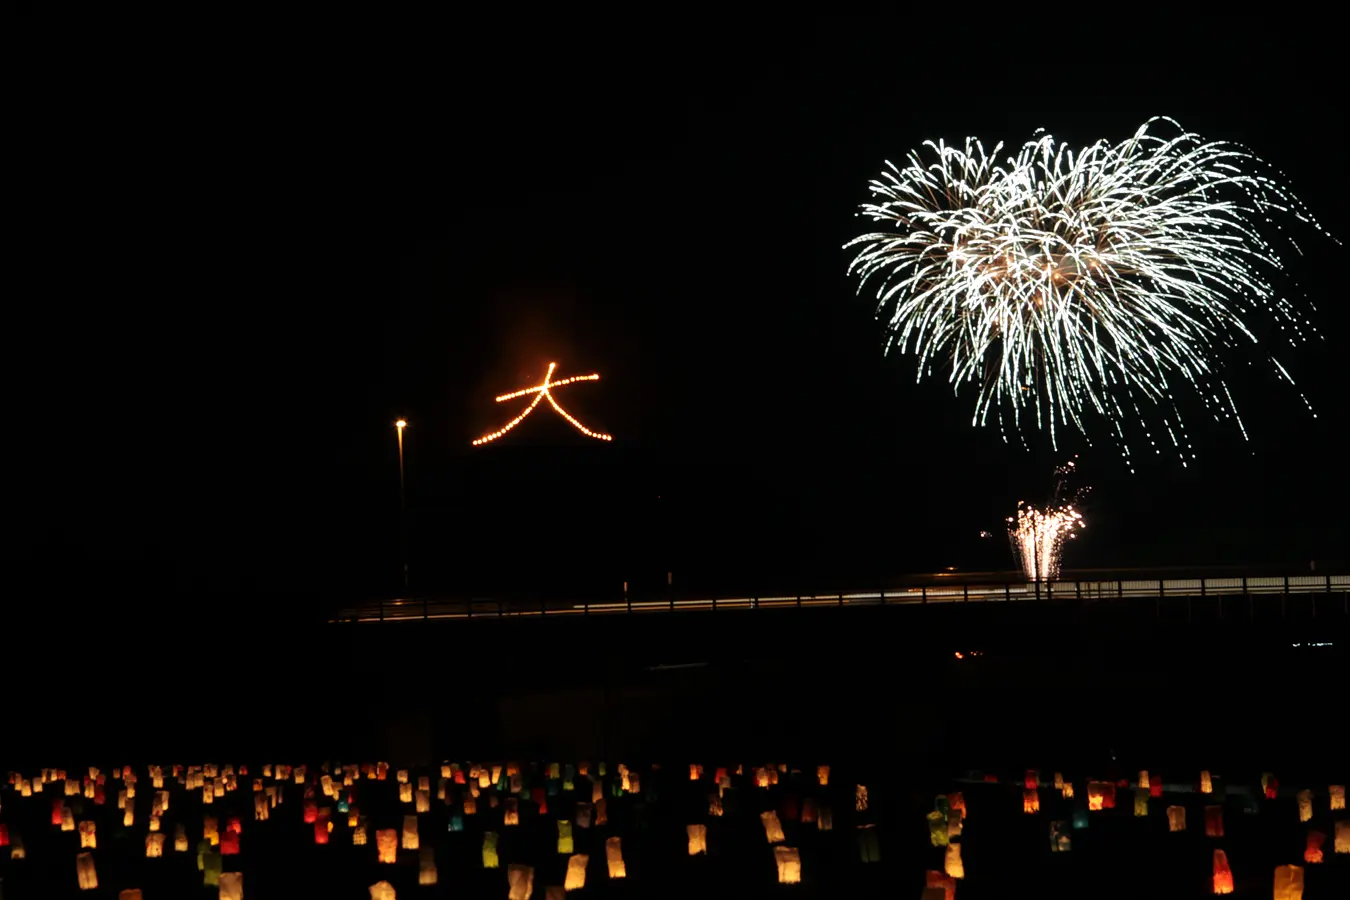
[{"x": 427, "y": 608}]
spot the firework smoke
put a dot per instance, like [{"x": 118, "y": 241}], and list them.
[{"x": 1068, "y": 283}]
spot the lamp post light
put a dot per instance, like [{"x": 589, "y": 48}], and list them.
[{"x": 402, "y": 506}]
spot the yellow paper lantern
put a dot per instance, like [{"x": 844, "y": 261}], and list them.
[
  {"x": 789, "y": 863},
  {"x": 773, "y": 829},
  {"x": 1305, "y": 810},
  {"x": 1337, "y": 792},
  {"x": 1031, "y": 801},
  {"x": 1176, "y": 818},
  {"x": 382, "y": 891},
  {"x": 520, "y": 881},
  {"x": 511, "y": 815},
  {"x": 698, "y": 839},
  {"x": 1342, "y": 844},
  {"x": 565, "y": 837},
  {"x": 1206, "y": 783},
  {"x": 231, "y": 886},
  {"x": 490, "y": 858},
  {"x": 154, "y": 846},
  {"x": 426, "y": 866},
  {"x": 410, "y": 841},
  {"x": 88, "y": 838},
  {"x": 576, "y": 872},
  {"x": 422, "y": 801},
  {"x": 860, "y": 798},
  {"x": 953, "y": 865},
  {"x": 180, "y": 841},
  {"x": 386, "y": 845},
  {"x": 84, "y": 871},
  {"x": 1141, "y": 801},
  {"x": 1288, "y": 883},
  {"x": 405, "y": 793},
  {"x": 938, "y": 833},
  {"x": 614, "y": 858}
]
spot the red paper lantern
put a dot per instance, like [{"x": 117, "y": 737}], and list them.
[
  {"x": 311, "y": 812},
  {"x": 320, "y": 832},
  {"x": 790, "y": 807},
  {"x": 1223, "y": 876},
  {"x": 229, "y": 843},
  {"x": 56, "y": 811},
  {"x": 4, "y": 835},
  {"x": 1313, "y": 852}
]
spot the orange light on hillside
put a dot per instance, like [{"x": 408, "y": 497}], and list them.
[{"x": 544, "y": 391}]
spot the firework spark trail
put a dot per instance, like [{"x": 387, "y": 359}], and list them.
[
  {"x": 1037, "y": 534},
  {"x": 1056, "y": 280}
]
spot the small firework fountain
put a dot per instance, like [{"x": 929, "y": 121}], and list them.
[{"x": 1038, "y": 534}]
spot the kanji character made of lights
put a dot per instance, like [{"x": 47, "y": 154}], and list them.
[{"x": 544, "y": 391}]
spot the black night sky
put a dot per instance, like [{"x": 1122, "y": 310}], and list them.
[{"x": 236, "y": 269}]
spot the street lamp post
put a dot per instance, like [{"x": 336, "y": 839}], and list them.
[{"x": 402, "y": 507}]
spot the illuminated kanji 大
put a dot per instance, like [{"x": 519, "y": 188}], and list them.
[{"x": 544, "y": 391}]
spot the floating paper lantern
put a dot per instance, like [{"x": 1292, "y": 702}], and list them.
[
  {"x": 386, "y": 845},
  {"x": 1305, "y": 810},
  {"x": 1337, "y": 792},
  {"x": 422, "y": 801},
  {"x": 1067, "y": 790},
  {"x": 860, "y": 798},
  {"x": 952, "y": 863},
  {"x": 180, "y": 841},
  {"x": 938, "y": 834},
  {"x": 1060, "y": 838},
  {"x": 576, "y": 872},
  {"x": 511, "y": 815},
  {"x": 825, "y": 819},
  {"x": 229, "y": 843},
  {"x": 953, "y": 824},
  {"x": 154, "y": 846},
  {"x": 1223, "y": 876},
  {"x": 405, "y": 793},
  {"x": 231, "y": 886},
  {"x": 789, "y": 865},
  {"x": 1176, "y": 818},
  {"x": 84, "y": 871},
  {"x": 321, "y": 830},
  {"x": 714, "y": 805},
  {"x": 1288, "y": 883},
  {"x": 565, "y": 837},
  {"x": 1206, "y": 783},
  {"x": 212, "y": 866},
  {"x": 614, "y": 858},
  {"x": 382, "y": 891},
  {"x": 1141, "y": 802},
  {"x": 16, "y": 850},
  {"x": 869, "y": 847},
  {"x": 698, "y": 839},
  {"x": 4, "y": 835},
  {"x": 601, "y": 811},
  {"x": 1031, "y": 801},
  {"x": 1059, "y": 781},
  {"x": 490, "y": 860},
  {"x": 957, "y": 802},
  {"x": 1032, "y": 780},
  {"x": 410, "y": 841},
  {"x": 939, "y": 886},
  {"x": 426, "y": 866},
  {"x": 520, "y": 881},
  {"x": 1214, "y": 821},
  {"x": 1097, "y": 795},
  {"x": 88, "y": 838},
  {"x": 1270, "y": 784},
  {"x": 1312, "y": 853},
  {"x": 773, "y": 829},
  {"x": 823, "y": 775},
  {"x": 130, "y": 894}
]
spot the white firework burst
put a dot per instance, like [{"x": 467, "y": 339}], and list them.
[{"x": 1066, "y": 283}]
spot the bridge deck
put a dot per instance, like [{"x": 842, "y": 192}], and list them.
[{"x": 941, "y": 592}]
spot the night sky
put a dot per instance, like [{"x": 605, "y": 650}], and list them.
[{"x": 237, "y": 269}]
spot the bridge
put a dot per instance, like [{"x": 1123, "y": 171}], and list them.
[{"x": 1328, "y": 595}]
